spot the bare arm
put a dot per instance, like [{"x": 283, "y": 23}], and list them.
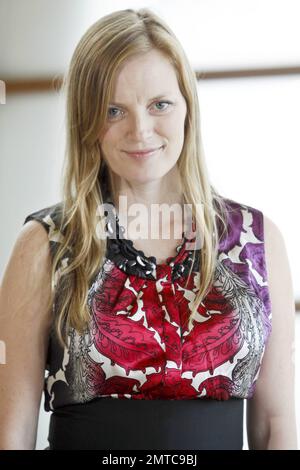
[
  {"x": 271, "y": 420},
  {"x": 24, "y": 329}
]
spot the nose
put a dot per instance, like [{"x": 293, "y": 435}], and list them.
[{"x": 141, "y": 124}]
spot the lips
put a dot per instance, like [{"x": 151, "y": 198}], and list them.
[{"x": 143, "y": 152}]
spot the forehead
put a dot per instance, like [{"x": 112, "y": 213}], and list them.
[{"x": 150, "y": 73}]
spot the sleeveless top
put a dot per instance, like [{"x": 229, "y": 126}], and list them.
[{"x": 136, "y": 346}]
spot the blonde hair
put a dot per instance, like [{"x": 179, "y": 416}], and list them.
[{"x": 89, "y": 84}]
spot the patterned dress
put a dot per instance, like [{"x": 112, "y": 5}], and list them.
[{"x": 136, "y": 346}]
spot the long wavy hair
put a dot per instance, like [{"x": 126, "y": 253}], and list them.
[{"x": 89, "y": 85}]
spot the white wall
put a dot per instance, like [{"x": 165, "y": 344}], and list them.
[{"x": 250, "y": 130}]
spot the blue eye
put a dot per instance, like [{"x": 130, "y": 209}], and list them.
[
  {"x": 112, "y": 115},
  {"x": 165, "y": 102},
  {"x": 115, "y": 115}
]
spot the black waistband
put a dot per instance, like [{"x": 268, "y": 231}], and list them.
[{"x": 111, "y": 423}]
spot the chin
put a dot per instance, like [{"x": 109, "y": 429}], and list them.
[{"x": 145, "y": 176}]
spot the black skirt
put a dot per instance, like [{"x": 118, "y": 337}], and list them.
[{"x": 119, "y": 424}]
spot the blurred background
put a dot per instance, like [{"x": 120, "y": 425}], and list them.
[{"x": 246, "y": 56}]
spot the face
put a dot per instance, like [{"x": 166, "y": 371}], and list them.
[{"x": 147, "y": 112}]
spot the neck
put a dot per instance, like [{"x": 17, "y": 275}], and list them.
[{"x": 166, "y": 190}]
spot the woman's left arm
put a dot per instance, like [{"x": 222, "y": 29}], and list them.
[{"x": 271, "y": 416}]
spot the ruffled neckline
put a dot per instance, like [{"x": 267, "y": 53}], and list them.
[{"x": 135, "y": 262}]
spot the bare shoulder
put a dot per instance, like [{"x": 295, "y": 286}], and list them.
[
  {"x": 277, "y": 262},
  {"x": 32, "y": 233},
  {"x": 31, "y": 249},
  {"x": 26, "y": 282},
  {"x": 273, "y": 236}
]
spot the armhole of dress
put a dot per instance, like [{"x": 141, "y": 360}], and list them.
[
  {"x": 37, "y": 219},
  {"x": 267, "y": 300},
  {"x": 49, "y": 218}
]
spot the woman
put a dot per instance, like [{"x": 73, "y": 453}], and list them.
[{"x": 140, "y": 354}]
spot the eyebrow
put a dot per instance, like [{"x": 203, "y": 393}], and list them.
[{"x": 164, "y": 95}]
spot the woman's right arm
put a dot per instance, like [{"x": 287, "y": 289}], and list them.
[{"x": 25, "y": 325}]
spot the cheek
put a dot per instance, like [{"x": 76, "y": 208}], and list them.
[
  {"x": 176, "y": 120},
  {"x": 108, "y": 140},
  {"x": 174, "y": 130}
]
